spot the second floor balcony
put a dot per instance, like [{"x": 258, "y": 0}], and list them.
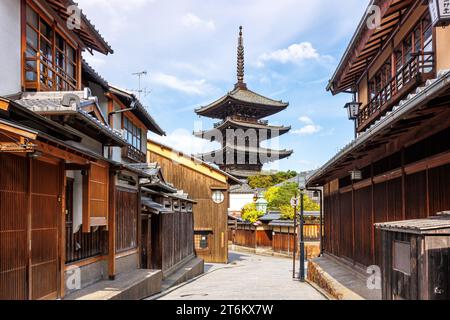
[
  {"x": 414, "y": 73},
  {"x": 131, "y": 153}
]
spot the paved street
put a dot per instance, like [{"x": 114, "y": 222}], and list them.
[{"x": 247, "y": 277}]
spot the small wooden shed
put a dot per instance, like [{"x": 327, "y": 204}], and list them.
[{"x": 416, "y": 259}]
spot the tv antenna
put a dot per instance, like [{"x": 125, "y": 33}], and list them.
[{"x": 141, "y": 91}]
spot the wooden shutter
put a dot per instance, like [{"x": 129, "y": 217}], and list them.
[{"x": 95, "y": 196}]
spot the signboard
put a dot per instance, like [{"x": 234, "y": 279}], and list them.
[{"x": 440, "y": 12}]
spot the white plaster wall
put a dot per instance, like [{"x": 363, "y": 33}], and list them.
[
  {"x": 238, "y": 201},
  {"x": 10, "y": 75},
  {"x": 77, "y": 199}
]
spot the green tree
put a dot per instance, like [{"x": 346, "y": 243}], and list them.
[
  {"x": 267, "y": 181},
  {"x": 250, "y": 214},
  {"x": 279, "y": 198}
]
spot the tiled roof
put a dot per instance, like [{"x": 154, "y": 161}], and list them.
[
  {"x": 417, "y": 225},
  {"x": 242, "y": 189},
  {"x": 141, "y": 111},
  {"x": 246, "y": 96},
  {"x": 51, "y": 102}
]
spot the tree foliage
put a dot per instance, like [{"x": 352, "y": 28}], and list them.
[
  {"x": 267, "y": 181},
  {"x": 250, "y": 214},
  {"x": 279, "y": 198}
]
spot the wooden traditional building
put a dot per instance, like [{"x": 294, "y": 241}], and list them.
[
  {"x": 167, "y": 226},
  {"x": 398, "y": 167},
  {"x": 74, "y": 152},
  {"x": 242, "y": 129},
  {"x": 208, "y": 186}
]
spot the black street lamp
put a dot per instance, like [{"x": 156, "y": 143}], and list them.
[{"x": 353, "y": 113}]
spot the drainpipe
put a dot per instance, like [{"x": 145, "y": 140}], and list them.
[{"x": 133, "y": 106}]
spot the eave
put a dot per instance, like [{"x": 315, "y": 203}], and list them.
[
  {"x": 233, "y": 124},
  {"x": 88, "y": 34},
  {"x": 417, "y": 108},
  {"x": 139, "y": 111},
  {"x": 221, "y": 107},
  {"x": 367, "y": 43}
]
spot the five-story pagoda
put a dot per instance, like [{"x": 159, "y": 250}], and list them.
[{"x": 242, "y": 129}]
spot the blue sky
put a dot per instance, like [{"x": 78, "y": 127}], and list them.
[{"x": 188, "y": 48}]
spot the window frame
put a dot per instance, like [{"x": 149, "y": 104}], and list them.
[{"x": 45, "y": 73}]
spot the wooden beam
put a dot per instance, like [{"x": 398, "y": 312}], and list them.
[
  {"x": 76, "y": 167},
  {"x": 4, "y": 105},
  {"x": 60, "y": 153}
]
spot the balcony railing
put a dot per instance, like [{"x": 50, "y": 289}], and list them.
[
  {"x": 412, "y": 74},
  {"x": 242, "y": 119},
  {"x": 41, "y": 75},
  {"x": 134, "y": 154}
]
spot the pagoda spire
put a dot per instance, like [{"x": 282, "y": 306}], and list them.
[{"x": 240, "y": 62}]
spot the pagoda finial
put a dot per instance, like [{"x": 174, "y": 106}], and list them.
[{"x": 240, "y": 61}]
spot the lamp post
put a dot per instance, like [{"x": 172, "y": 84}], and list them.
[
  {"x": 353, "y": 112},
  {"x": 302, "y": 238}
]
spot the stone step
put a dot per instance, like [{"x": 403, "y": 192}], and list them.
[
  {"x": 188, "y": 271},
  {"x": 135, "y": 285}
]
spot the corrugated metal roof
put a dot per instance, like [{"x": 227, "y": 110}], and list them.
[{"x": 417, "y": 225}]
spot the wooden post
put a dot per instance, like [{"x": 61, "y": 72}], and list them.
[
  {"x": 112, "y": 226},
  {"x": 30, "y": 176},
  {"x": 62, "y": 229},
  {"x": 139, "y": 227},
  {"x": 353, "y": 224},
  {"x": 403, "y": 185}
]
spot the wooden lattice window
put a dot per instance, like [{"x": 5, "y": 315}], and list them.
[
  {"x": 51, "y": 63},
  {"x": 201, "y": 240},
  {"x": 95, "y": 196}
]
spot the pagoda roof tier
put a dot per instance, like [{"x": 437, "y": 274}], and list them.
[
  {"x": 231, "y": 123},
  {"x": 242, "y": 101},
  {"x": 279, "y": 154}
]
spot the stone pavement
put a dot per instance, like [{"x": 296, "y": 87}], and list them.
[
  {"x": 247, "y": 277},
  {"x": 345, "y": 282}
]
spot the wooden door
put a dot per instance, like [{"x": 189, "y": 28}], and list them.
[
  {"x": 45, "y": 186},
  {"x": 146, "y": 243},
  {"x": 29, "y": 211},
  {"x": 13, "y": 227}
]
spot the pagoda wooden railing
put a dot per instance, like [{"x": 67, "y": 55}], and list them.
[
  {"x": 408, "y": 78},
  {"x": 242, "y": 119},
  {"x": 46, "y": 75}
]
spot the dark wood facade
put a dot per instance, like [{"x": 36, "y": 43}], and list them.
[
  {"x": 403, "y": 146},
  {"x": 200, "y": 181}
]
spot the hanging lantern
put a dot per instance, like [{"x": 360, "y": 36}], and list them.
[
  {"x": 353, "y": 110},
  {"x": 440, "y": 12}
]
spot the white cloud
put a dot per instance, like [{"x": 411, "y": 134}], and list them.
[
  {"x": 191, "y": 20},
  {"x": 293, "y": 54},
  {"x": 95, "y": 62},
  {"x": 306, "y": 120},
  {"x": 309, "y": 127},
  {"x": 191, "y": 87}
]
